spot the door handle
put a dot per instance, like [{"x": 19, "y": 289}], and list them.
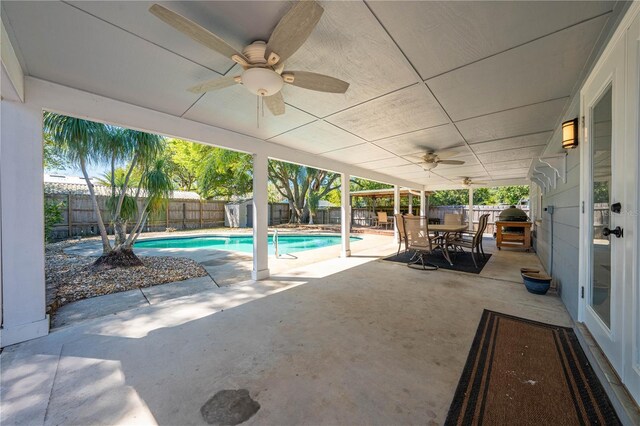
[{"x": 617, "y": 232}]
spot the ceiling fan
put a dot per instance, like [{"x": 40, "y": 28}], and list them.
[
  {"x": 431, "y": 159},
  {"x": 263, "y": 62},
  {"x": 467, "y": 181}
]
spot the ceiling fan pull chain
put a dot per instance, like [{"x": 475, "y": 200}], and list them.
[{"x": 258, "y": 111}]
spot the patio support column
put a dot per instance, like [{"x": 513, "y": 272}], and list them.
[
  {"x": 410, "y": 211},
  {"x": 21, "y": 219},
  {"x": 260, "y": 218},
  {"x": 396, "y": 210},
  {"x": 345, "y": 215},
  {"x": 470, "y": 208},
  {"x": 423, "y": 203}
]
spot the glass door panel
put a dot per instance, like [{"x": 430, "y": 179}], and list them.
[{"x": 601, "y": 200}]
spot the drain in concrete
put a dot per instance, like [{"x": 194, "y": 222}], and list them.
[{"x": 229, "y": 407}]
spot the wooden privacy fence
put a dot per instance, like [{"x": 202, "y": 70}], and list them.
[{"x": 79, "y": 218}]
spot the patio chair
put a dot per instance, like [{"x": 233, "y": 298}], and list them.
[
  {"x": 383, "y": 219},
  {"x": 402, "y": 235},
  {"x": 418, "y": 239},
  {"x": 474, "y": 243},
  {"x": 452, "y": 219}
]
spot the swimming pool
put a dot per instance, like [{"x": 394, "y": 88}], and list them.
[{"x": 244, "y": 243}]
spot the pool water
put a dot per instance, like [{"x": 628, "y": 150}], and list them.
[{"x": 244, "y": 244}]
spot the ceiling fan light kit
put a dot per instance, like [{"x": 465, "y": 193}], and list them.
[
  {"x": 263, "y": 62},
  {"x": 262, "y": 81}
]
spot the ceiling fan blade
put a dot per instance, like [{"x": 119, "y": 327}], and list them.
[
  {"x": 275, "y": 103},
  {"x": 314, "y": 81},
  {"x": 293, "y": 30},
  {"x": 457, "y": 162},
  {"x": 195, "y": 31},
  {"x": 216, "y": 84},
  {"x": 446, "y": 154}
]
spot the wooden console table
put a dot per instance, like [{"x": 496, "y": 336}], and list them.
[{"x": 513, "y": 239}]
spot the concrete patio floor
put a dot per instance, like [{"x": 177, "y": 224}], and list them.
[{"x": 341, "y": 341}]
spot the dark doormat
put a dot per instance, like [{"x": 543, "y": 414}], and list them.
[
  {"x": 461, "y": 261},
  {"x": 526, "y": 372}
]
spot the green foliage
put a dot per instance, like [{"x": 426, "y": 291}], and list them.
[
  {"x": 183, "y": 161},
  {"x": 52, "y": 215},
  {"x": 225, "y": 173},
  {"x": 601, "y": 192},
  {"x": 158, "y": 185},
  {"x": 511, "y": 194},
  {"x": 75, "y": 140},
  {"x": 449, "y": 197},
  {"x": 481, "y": 196},
  {"x": 53, "y": 154}
]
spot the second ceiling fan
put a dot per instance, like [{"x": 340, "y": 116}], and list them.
[
  {"x": 263, "y": 62},
  {"x": 431, "y": 159}
]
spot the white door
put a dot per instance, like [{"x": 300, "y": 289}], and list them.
[
  {"x": 610, "y": 247},
  {"x": 604, "y": 189},
  {"x": 631, "y": 303}
]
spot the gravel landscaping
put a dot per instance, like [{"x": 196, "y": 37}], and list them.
[{"x": 70, "y": 277}]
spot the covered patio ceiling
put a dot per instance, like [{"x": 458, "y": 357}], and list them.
[{"x": 424, "y": 75}]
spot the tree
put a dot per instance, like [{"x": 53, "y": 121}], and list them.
[
  {"x": 511, "y": 194},
  {"x": 449, "y": 197},
  {"x": 184, "y": 161},
  {"x": 225, "y": 173},
  {"x": 84, "y": 142},
  {"x": 80, "y": 141},
  {"x": 295, "y": 182},
  {"x": 53, "y": 157}
]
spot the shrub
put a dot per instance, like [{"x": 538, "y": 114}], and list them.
[{"x": 52, "y": 215}]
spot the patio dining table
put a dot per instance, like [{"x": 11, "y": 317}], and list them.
[{"x": 445, "y": 230}]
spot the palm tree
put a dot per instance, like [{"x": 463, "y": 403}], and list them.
[
  {"x": 84, "y": 142},
  {"x": 80, "y": 141}
]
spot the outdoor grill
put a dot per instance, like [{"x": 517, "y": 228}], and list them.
[{"x": 513, "y": 214}]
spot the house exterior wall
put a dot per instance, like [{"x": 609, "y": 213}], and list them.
[{"x": 559, "y": 254}]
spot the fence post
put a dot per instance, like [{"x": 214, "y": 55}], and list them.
[
  {"x": 201, "y": 214},
  {"x": 69, "y": 214},
  {"x": 167, "y": 216}
]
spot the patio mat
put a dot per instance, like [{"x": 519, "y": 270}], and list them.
[
  {"x": 526, "y": 372},
  {"x": 461, "y": 261}
]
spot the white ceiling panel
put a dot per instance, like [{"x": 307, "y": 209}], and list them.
[
  {"x": 317, "y": 137},
  {"x": 506, "y": 173},
  {"x": 511, "y": 154},
  {"x": 406, "y": 110},
  {"x": 359, "y": 154},
  {"x": 410, "y": 169},
  {"x": 543, "y": 69},
  {"x": 514, "y": 122},
  {"x": 63, "y": 44},
  {"x": 235, "y": 22},
  {"x": 343, "y": 49},
  {"x": 438, "y": 36},
  {"x": 435, "y": 138},
  {"x": 508, "y": 165},
  {"x": 535, "y": 139},
  {"x": 235, "y": 109},
  {"x": 456, "y": 171},
  {"x": 384, "y": 164}
]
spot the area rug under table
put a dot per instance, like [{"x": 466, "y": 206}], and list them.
[
  {"x": 525, "y": 372},
  {"x": 461, "y": 261}
]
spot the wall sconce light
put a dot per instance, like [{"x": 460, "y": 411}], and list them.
[{"x": 570, "y": 134}]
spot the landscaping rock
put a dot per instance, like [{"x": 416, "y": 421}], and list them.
[{"x": 70, "y": 277}]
